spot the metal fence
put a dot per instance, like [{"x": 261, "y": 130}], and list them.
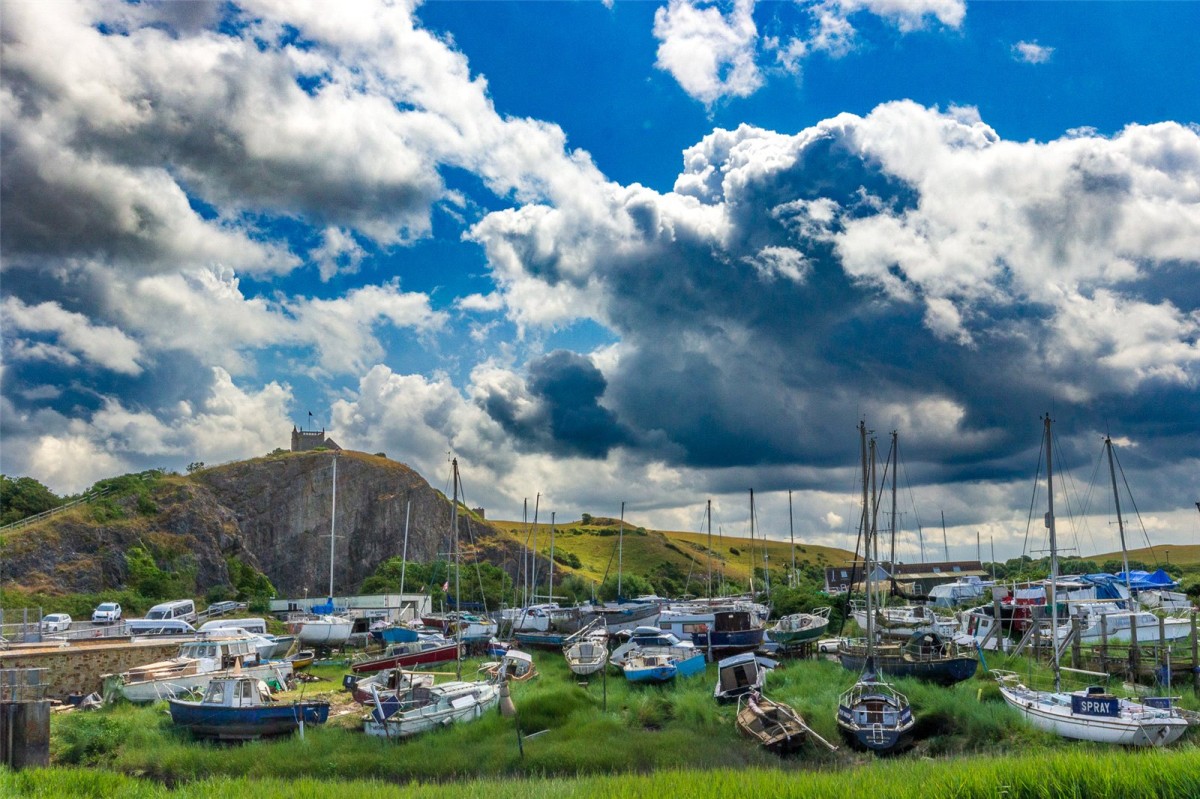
[{"x": 23, "y": 685}]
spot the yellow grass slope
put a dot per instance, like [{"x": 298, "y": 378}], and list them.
[{"x": 643, "y": 550}]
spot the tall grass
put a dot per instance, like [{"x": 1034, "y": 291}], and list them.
[
  {"x": 565, "y": 729},
  {"x": 1077, "y": 772}
]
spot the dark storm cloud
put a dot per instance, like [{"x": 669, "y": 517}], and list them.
[
  {"x": 847, "y": 280},
  {"x": 567, "y": 418}
]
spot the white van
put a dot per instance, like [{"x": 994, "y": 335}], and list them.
[
  {"x": 179, "y": 610},
  {"x": 158, "y": 627},
  {"x": 256, "y": 626}
]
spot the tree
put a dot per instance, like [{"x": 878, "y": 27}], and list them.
[
  {"x": 631, "y": 585},
  {"x": 24, "y": 497}
]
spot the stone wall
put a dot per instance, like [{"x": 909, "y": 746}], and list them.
[{"x": 77, "y": 668}]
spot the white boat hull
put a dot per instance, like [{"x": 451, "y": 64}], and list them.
[
  {"x": 1052, "y": 712},
  {"x": 171, "y": 687},
  {"x": 465, "y": 707},
  {"x": 324, "y": 632}
]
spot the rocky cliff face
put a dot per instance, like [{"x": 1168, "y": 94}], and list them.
[
  {"x": 273, "y": 513},
  {"x": 284, "y": 505}
]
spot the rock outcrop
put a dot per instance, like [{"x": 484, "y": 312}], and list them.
[{"x": 273, "y": 513}]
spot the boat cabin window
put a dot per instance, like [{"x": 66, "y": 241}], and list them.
[{"x": 215, "y": 693}]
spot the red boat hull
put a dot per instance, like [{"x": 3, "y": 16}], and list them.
[{"x": 443, "y": 654}]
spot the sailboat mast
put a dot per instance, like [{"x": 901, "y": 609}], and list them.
[
  {"x": 550, "y": 598},
  {"x": 620, "y": 550},
  {"x": 895, "y": 459},
  {"x": 1053, "y": 555},
  {"x": 332, "y": 527},
  {"x": 404, "y": 556},
  {"x": 708, "y": 514},
  {"x": 457, "y": 564},
  {"x": 792, "y": 534},
  {"x": 751, "y": 542},
  {"x": 525, "y": 554},
  {"x": 1112, "y": 472},
  {"x": 862, "y": 431},
  {"x": 873, "y": 455}
]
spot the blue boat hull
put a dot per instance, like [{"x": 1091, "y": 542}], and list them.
[
  {"x": 655, "y": 674},
  {"x": 213, "y": 721},
  {"x": 945, "y": 672},
  {"x": 729, "y": 641}
]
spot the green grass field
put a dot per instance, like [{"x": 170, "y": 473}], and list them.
[{"x": 578, "y": 736}]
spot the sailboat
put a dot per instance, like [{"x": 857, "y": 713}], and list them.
[
  {"x": 872, "y": 714},
  {"x": 1091, "y": 714},
  {"x": 326, "y": 628},
  {"x": 929, "y": 652}
]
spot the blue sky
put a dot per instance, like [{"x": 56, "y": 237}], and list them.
[{"x": 641, "y": 252}]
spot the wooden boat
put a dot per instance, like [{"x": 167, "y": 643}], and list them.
[
  {"x": 239, "y": 707},
  {"x": 196, "y": 665},
  {"x": 425, "y": 652},
  {"x": 739, "y": 675},
  {"x": 421, "y": 708},
  {"x": 776, "y": 726},
  {"x": 302, "y": 659},
  {"x": 800, "y": 628},
  {"x": 1092, "y": 714}
]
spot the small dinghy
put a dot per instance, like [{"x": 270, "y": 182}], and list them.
[{"x": 776, "y": 726}]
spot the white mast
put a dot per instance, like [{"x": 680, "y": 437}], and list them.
[
  {"x": 404, "y": 557},
  {"x": 457, "y": 568},
  {"x": 332, "y": 527}
]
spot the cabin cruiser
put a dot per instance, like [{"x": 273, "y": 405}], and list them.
[{"x": 196, "y": 665}]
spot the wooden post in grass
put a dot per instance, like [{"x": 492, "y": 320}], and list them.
[
  {"x": 1134, "y": 655},
  {"x": 1075, "y": 642},
  {"x": 1164, "y": 652},
  {"x": 1103, "y": 643},
  {"x": 1195, "y": 660}
]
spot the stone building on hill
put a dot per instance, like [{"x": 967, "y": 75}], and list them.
[{"x": 306, "y": 440}]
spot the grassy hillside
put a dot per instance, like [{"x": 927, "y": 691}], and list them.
[
  {"x": 1175, "y": 554},
  {"x": 644, "y": 551}
]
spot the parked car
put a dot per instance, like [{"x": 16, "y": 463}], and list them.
[
  {"x": 56, "y": 623},
  {"x": 106, "y": 613}
]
